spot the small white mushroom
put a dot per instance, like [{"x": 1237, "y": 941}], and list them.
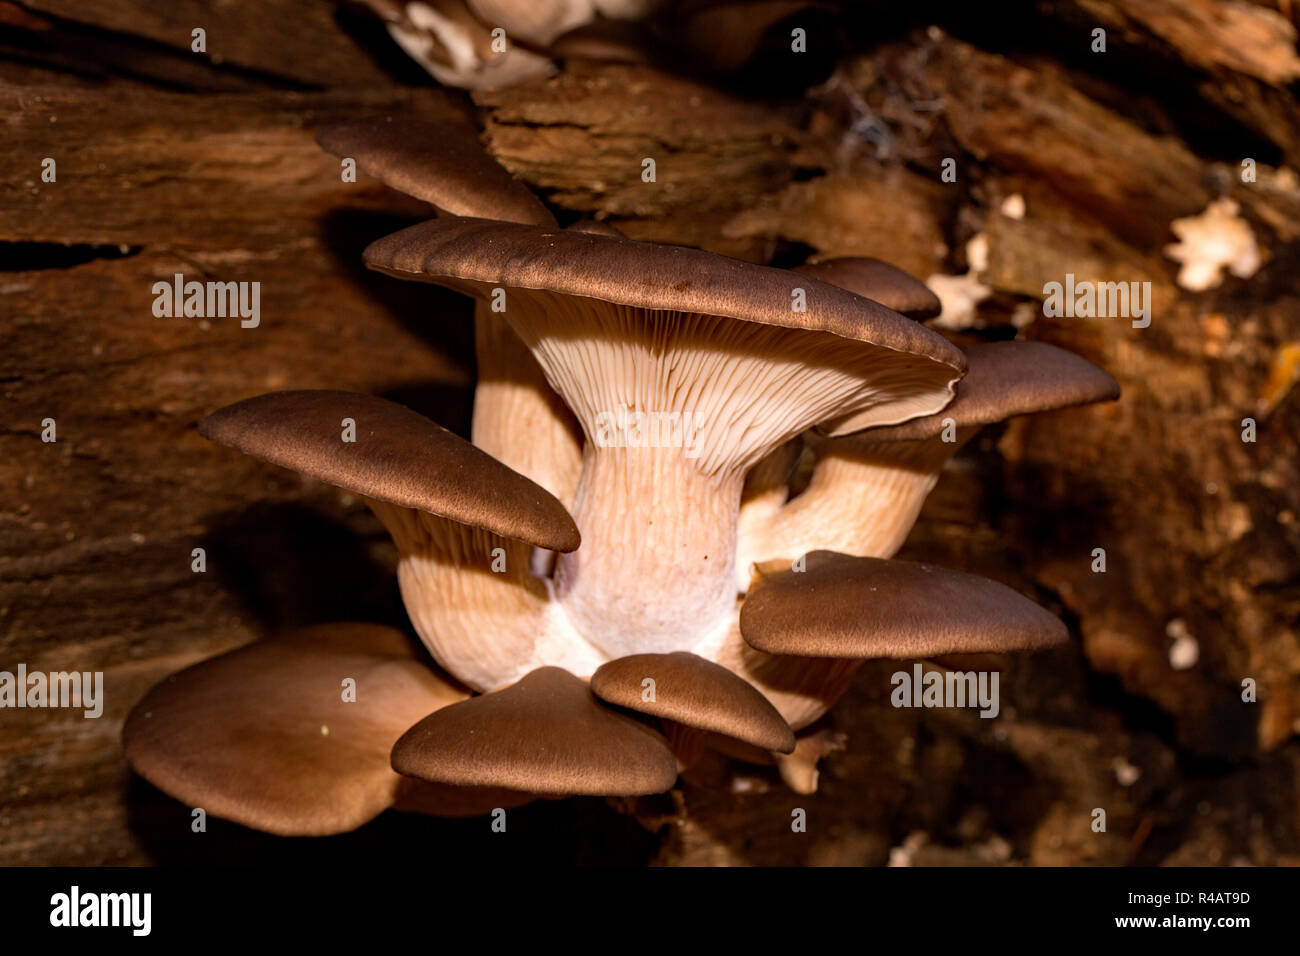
[
  {"x": 1209, "y": 243},
  {"x": 1126, "y": 774},
  {"x": 960, "y": 295}
]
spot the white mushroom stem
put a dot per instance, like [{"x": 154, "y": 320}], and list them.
[
  {"x": 518, "y": 419},
  {"x": 657, "y": 512},
  {"x": 863, "y": 499},
  {"x": 799, "y": 769},
  {"x": 765, "y": 492},
  {"x": 658, "y": 542},
  {"x": 476, "y": 605}
]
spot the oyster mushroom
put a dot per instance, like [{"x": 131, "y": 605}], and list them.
[
  {"x": 766, "y": 485},
  {"x": 262, "y": 735},
  {"x": 868, "y": 485},
  {"x": 544, "y": 734},
  {"x": 463, "y": 524},
  {"x": 867, "y": 490},
  {"x": 711, "y": 346},
  {"x": 870, "y": 608},
  {"x": 694, "y": 692}
]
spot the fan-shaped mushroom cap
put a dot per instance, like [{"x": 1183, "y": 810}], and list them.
[
  {"x": 874, "y": 279},
  {"x": 263, "y": 735},
  {"x": 1003, "y": 379},
  {"x": 474, "y": 256},
  {"x": 545, "y": 734},
  {"x": 695, "y": 692},
  {"x": 443, "y": 165},
  {"x": 843, "y": 606},
  {"x": 399, "y": 456}
]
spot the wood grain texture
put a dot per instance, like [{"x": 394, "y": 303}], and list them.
[{"x": 295, "y": 41}]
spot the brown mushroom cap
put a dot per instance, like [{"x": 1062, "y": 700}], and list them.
[
  {"x": 843, "y": 606},
  {"x": 399, "y": 456},
  {"x": 877, "y": 280},
  {"x": 545, "y": 734},
  {"x": 262, "y": 735},
  {"x": 444, "y": 165},
  {"x": 1003, "y": 379},
  {"x": 446, "y": 800},
  {"x": 474, "y": 255},
  {"x": 696, "y": 692}
]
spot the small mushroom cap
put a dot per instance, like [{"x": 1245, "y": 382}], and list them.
[
  {"x": 473, "y": 255},
  {"x": 864, "y": 608},
  {"x": 1004, "y": 379},
  {"x": 696, "y": 692},
  {"x": 399, "y": 456},
  {"x": 263, "y": 736},
  {"x": 546, "y": 734},
  {"x": 444, "y": 165},
  {"x": 877, "y": 280}
]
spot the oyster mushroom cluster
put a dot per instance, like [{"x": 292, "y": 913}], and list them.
[{"x": 614, "y": 576}]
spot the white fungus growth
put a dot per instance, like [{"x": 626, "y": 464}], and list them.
[
  {"x": 1209, "y": 243},
  {"x": 1013, "y": 207},
  {"x": 1126, "y": 774},
  {"x": 961, "y": 294},
  {"x": 1184, "y": 651}
]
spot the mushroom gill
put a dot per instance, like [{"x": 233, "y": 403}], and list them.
[{"x": 868, "y": 485}]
